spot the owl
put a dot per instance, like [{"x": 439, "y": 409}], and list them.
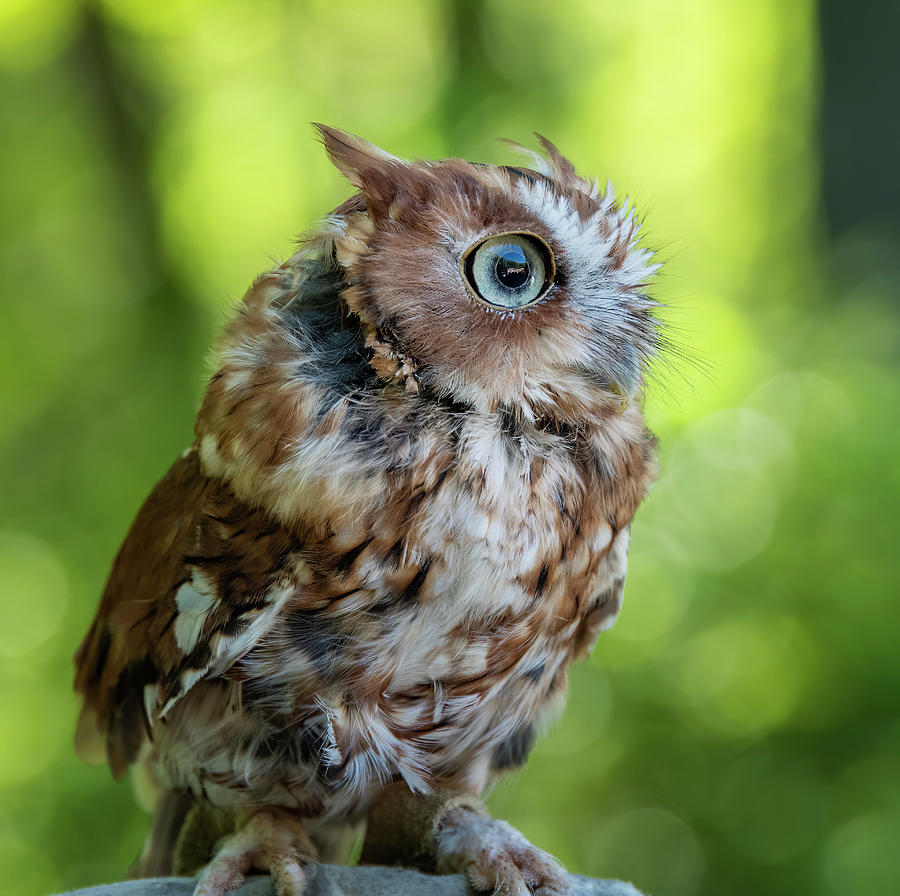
[{"x": 405, "y": 511}]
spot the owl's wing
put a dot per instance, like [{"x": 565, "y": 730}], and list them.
[
  {"x": 199, "y": 580},
  {"x": 606, "y": 601}
]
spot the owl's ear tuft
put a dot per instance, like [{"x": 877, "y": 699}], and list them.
[
  {"x": 562, "y": 168},
  {"x": 370, "y": 169},
  {"x": 554, "y": 164},
  {"x": 551, "y": 162}
]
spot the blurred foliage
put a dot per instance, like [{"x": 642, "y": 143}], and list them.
[{"x": 737, "y": 731}]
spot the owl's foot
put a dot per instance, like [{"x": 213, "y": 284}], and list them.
[
  {"x": 496, "y": 857},
  {"x": 270, "y": 840}
]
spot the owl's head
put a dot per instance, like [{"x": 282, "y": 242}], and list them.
[{"x": 495, "y": 285}]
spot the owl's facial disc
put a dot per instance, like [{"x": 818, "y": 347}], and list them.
[{"x": 508, "y": 271}]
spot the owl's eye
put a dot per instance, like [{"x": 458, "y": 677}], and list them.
[{"x": 510, "y": 270}]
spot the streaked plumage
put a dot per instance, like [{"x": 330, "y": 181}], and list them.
[{"x": 405, "y": 512}]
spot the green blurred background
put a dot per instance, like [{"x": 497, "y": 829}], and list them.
[{"x": 737, "y": 732}]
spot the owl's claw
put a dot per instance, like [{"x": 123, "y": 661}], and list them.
[
  {"x": 496, "y": 857},
  {"x": 271, "y": 840}
]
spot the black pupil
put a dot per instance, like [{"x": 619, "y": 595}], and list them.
[{"x": 512, "y": 268}]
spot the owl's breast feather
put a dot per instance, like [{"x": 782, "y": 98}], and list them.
[{"x": 446, "y": 617}]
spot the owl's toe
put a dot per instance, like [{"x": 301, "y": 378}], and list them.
[
  {"x": 226, "y": 870},
  {"x": 496, "y": 857},
  {"x": 270, "y": 840}
]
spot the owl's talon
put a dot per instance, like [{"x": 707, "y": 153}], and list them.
[
  {"x": 496, "y": 857},
  {"x": 271, "y": 840}
]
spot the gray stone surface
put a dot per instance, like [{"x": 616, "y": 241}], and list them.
[{"x": 337, "y": 880}]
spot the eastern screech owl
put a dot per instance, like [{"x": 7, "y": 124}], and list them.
[{"x": 405, "y": 512}]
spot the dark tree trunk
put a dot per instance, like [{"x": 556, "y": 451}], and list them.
[{"x": 860, "y": 119}]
